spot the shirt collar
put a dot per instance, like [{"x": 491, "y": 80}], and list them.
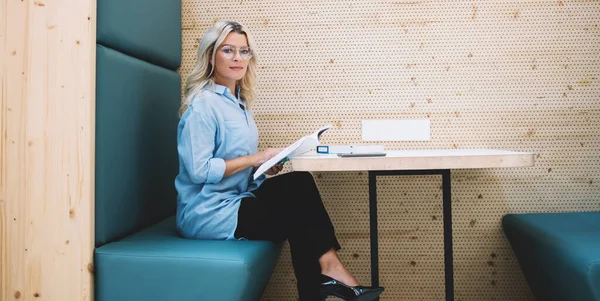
[{"x": 222, "y": 90}]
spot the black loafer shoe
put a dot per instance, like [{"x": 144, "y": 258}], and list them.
[{"x": 332, "y": 287}]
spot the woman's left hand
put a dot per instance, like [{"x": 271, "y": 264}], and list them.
[{"x": 275, "y": 169}]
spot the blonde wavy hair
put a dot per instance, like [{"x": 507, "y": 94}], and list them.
[{"x": 203, "y": 72}]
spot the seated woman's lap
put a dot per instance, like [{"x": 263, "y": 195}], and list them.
[{"x": 268, "y": 216}]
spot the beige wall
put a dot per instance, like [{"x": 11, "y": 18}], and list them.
[
  {"x": 47, "y": 63},
  {"x": 516, "y": 75}
]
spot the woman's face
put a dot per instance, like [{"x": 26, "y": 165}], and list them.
[{"x": 231, "y": 59}]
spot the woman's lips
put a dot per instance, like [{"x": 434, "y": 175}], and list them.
[{"x": 236, "y": 68}]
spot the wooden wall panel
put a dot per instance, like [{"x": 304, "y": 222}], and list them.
[
  {"x": 515, "y": 75},
  {"x": 47, "y": 63}
]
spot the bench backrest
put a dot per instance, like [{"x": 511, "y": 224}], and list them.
[{"x": 138, "y": 93}]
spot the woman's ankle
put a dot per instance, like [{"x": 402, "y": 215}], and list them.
[
  {"x": 339, "y": 273},
  {"x": 341, "y": 276},
  {"x": 332, "y": 266}
]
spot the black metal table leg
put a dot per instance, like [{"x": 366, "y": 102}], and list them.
[
  {"x": 373, "y": 229},
  {"x": 447, "y": 208},
  {"x": 448, "y": 257}
]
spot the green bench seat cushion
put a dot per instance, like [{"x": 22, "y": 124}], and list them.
[
  {"x": 157, "y": 264},
  {"x": 146, "y": 29},
  {"x": 559, "y": 253},
  {"x": 137, "y": 112}
]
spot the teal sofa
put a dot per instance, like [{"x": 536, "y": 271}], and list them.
[
  {"x": 139, "y": 255},
  {"x": 559, "y": 253}
]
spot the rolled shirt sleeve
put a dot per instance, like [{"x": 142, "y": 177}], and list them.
[{"x": 198, "y": 137}]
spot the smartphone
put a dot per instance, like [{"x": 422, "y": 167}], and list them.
[{"x": 354, "y": 155}]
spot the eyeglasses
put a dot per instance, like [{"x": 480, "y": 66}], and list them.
[{"x": 230, "y": 52}]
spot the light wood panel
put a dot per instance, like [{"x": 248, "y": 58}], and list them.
[{"x": 47, "y": 63}]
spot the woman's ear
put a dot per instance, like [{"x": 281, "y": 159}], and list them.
[{"x": 211, "y": 59}]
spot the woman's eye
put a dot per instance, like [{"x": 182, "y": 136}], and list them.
[{"x": 227, "y": 50}]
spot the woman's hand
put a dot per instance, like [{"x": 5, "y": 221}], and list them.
[
  {"x": 275, "y": 169},
  {"x": 262, "y": 157},
  {"x": 255, "y": 160}
]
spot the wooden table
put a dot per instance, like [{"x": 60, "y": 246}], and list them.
[{"x": 415, "y": 162}]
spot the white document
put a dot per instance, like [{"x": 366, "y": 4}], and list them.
[
  {"x": 396, "y": 130},
  {"x": 299, "y": 147}
]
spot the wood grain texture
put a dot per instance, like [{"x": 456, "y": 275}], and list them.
[
  {"x": 415, "y": 160},
  {"x": 47, "y": 63}
]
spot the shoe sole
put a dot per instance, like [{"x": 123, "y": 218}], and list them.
[{"x": 370, "y": 296}]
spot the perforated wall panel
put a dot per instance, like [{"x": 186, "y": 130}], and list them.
[{"x": 515, "y": 75}]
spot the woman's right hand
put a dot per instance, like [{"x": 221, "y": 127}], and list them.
[{"x": 262, "y": 157}]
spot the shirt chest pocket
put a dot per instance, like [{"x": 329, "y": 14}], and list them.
[{"x": 236, "y": 137}]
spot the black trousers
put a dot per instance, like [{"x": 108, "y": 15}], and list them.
[{"x": 289, "y": 207}]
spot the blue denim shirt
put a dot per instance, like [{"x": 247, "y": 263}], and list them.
[{"x": 214, "y": 128}]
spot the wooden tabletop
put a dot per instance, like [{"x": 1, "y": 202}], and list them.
[{"x": 416, "y": 160}]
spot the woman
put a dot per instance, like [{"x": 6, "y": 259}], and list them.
[{"x": 217, "y": 196}]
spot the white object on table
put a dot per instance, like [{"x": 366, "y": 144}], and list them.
[{"x": 396, "y": 130}]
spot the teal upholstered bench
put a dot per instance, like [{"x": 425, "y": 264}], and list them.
[
  {"x": 139, "y": 254},
  {"x": 559, "y": 253},
  {"x": 157, "y": 264}
]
